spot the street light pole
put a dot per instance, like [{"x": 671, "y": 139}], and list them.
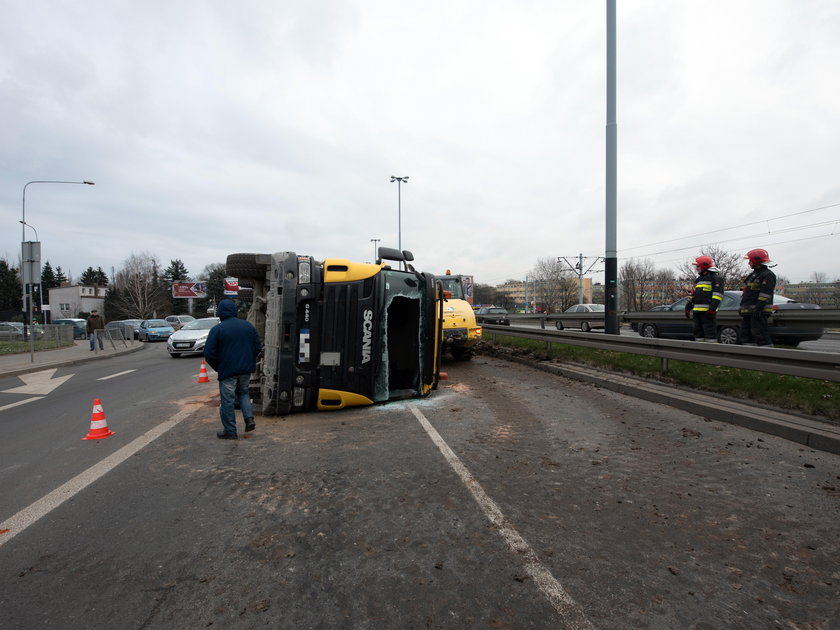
[
  {"x": 399, "y": 180},
  {"x": 375, "y": 241},
  {"x": 23, "y": 254}
]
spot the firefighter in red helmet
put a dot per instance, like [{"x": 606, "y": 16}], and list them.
[
  {"x": 757, "y": 299},
  {"x": 706, "y": 295}
]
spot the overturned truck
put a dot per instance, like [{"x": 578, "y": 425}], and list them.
[{"x": 337, "y": 333}]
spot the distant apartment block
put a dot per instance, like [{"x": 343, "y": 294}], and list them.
[{"x": 826, "y": 294}]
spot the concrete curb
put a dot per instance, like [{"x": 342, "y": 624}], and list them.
[{"x": 803, "y": 430}]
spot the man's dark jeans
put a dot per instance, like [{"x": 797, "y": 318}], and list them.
[{"x": 230, "y": 389}]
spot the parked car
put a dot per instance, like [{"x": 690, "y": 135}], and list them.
[
  {"x": 587, "y": 317},
  {"x": 154, "y": 330},
  {"x": 191, "y": 338},
  {"x": 135, "y": 324},
  {"x": 673, "y": 326},
  {"x": 129, "y": 328},
  {"x": 10, "y": 332},
  {"x": 79, "y": 326},
  {"x": 177, "y": 321},
  {"x": 492, "y": 315}
]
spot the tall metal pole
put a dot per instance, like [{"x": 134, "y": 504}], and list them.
[
  {"x": 375, "y": 242},
  {"x": 611, "y": 252},
  {"x": 399, "y": 181},
  {"x": 23, "y": 247}
]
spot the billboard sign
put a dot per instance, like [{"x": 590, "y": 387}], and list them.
[
  {"x": 232, "y": 286},
  {"x": 189, "y": 289}
]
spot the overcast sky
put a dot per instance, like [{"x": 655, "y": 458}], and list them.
[{"x": 216, "y": 127}]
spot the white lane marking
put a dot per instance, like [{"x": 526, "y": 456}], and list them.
[
  {"x": 38, "y": 383},
  {"x": 43, "y": 506},
  {"x": 20, "y": 402},
  {"x": 573, "y": 617},
  {"x": 105, "y": 378}
]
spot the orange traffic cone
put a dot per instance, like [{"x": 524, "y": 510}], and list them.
[
  {"x": 98, "y": 423},
  {"x": 202, "y": 374}
]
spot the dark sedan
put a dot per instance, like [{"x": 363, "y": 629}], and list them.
[
  {"x": 492, "y": 315},
  {"x": 673, "y": 326}
]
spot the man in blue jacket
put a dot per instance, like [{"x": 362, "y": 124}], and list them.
[{"x": 231, "y": 349}]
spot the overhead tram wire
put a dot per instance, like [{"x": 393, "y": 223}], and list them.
[
  {"x": 740, "y": 238},
  {"x": 735, "y": 227},
  {"x": 793, "y": 240}
]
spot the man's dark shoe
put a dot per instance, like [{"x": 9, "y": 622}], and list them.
[
  {"x": 226, "y": 436},
  {"x": 250, "y": 425}
]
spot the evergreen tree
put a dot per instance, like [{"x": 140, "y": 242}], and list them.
[
  {"x": 214, "y": 275},
  {"x": 48, "y": 281},
  {"x": 100, "y": 277},
  {"x": 60, "y": 278},
  {"x": 10, "y": 287},
  {"x": 114, "y": 305},
  {"x": 176, "y": 272},
  {"x": 88, "y": 277}
]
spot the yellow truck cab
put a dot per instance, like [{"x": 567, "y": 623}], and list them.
[
  {"x": 460, "y": 331},
  {"x": 337, "y": 333}
]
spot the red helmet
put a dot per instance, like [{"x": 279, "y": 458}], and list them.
[
  {"x": 704, "y": 262},
  {"x": 757, "y": 257}
]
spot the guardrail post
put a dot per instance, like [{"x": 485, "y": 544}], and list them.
[{"x": 663, "y": 365}]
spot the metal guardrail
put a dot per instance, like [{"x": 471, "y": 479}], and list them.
[
  {"x": 817, "y": 318},
  {"x": 805, "y": 363}
]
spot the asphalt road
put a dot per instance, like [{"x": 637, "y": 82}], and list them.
[
  {"x": 511, "y": 498},
  {"x": 42, "y": 446}
]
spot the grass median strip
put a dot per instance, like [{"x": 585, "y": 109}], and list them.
[
  {"x": 19, "y": 347},
  {"x": 812, "y": 396}
]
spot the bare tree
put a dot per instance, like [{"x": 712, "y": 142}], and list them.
[
  {"x": 668, "y": 288},
  {"x": 731, "y": 265},
  {"x": 555, "y": 287},
  {"x": 485, "y": 294},
  {"x": 142, "y": 290},
  {"x": 818, "y": 290},
  {"x": 637, "y": 284}
]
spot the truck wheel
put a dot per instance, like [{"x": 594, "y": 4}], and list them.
[
  {"x": 462, "y": 354},
  {"x": 244, "y": 266}
]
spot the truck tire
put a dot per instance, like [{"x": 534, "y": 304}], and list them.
[
  {"x": 462, "y": 354},
  {"x": 244, "y": 266}
]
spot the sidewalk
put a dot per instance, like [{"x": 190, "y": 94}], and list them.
[{"x": 79, "y": 352}]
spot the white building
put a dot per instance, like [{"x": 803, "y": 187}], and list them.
[{"x": 70, "y": 301}]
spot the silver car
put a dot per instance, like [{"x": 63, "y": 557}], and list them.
[
  {"x": 583, "y": 316},
  {"x": 11, "y": 332},
  {"x": 191, "y": 338}
]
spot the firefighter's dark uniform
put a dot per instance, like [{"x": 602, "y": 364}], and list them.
[
  {"x": 706, "y": 295},
  {"x": 757, "y": 306}
]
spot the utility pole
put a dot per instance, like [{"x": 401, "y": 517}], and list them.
[
  {"x": 611, "y": 248},
  {"x": 579, "y": 271}
]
